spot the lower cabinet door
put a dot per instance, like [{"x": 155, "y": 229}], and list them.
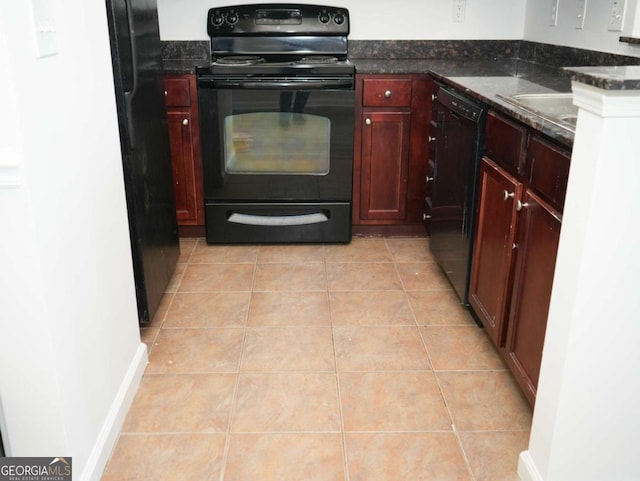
[
  {"x": 495, "y": 233},
  {"x": 183, "y": 161},
  {"x": 385, "y": 162},
  {"x": 536, "y": 250}
]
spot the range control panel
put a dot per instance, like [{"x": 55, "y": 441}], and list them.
[{"x": 277, "y": 19}]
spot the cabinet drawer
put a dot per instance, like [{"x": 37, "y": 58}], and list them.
[
  {"x": 387, "y": 92},
  {"x": 506, "y": 142},
  {"x": 549, "y": 167},
  {"x": 177, "y": 92}
]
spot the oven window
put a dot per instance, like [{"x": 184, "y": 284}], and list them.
[{"x": 283, "y": 142}]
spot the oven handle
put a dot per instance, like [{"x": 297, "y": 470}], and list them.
[
  {"x": 288, "y": 84},
  {"x": 278, "y": 220}
]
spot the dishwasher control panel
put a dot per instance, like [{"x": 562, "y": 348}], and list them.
[{"x": 460, "y": 105}]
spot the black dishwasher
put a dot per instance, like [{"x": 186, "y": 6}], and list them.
[{"x": 459, "y": 139}]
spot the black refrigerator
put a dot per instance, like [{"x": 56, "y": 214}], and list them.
[{"x": 144, "y": 139}]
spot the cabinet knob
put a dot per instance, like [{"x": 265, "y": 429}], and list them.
[
  {"x": 367, "y": 121},
  {"x": 166, "y": 93},
  {"x": 433, "y": 97},
  {"x": 431, "y": 139},
  {"x": 185, "y": 121},
  {"x": 387, "y": 94},
  {"x": 429, "y": 179},
  {"x": 506, "y": 195},
  {"x": 426, "y": 217},
  {"x": 521, "y": 205}
]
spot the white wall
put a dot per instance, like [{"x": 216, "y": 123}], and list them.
[
  {"x": 594, "y": 35},
  {"x": 635, "y": 29},
  {"x": 586, "y": 423},
  {"x": 70, "y": 349},
  {"x": 432, "y": 20},
  {"x": 374, "y": 19}
]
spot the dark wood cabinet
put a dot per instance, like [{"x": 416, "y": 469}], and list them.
[
  {"x": 184, "y": 140},
  {"x": 390, "y": 154},
  {"x": 548, "y": 168},
  {"x": 522, "y": 188},
  {"x": 537, "y": 246},
  {"x": 384, "y": 165},
  {"x": 506, "y": 142}
]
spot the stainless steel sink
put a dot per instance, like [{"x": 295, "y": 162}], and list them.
[{"x": 555, "y": 107}]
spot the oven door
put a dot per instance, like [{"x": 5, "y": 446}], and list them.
[{"x": 277, "y": 139}]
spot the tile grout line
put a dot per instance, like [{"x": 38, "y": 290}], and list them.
[
  {"x": 345, "y": 460},
  {"x": 234, "y": 401},
  {"x": 442, "y": 396},
  {"x": 464, "y": 453}
]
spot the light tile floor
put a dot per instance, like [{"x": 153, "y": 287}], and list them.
[{"x": 319, "y": 362}]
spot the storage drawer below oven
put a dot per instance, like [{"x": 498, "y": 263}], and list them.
[{"x": 228, "y": 223}]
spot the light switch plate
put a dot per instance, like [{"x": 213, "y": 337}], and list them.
[
  {"x": 616, "y": 15},
  {"x": 553, "y": 19},
  {"x": 581, "y": 13},
  {"x": 44, "y": 28}
]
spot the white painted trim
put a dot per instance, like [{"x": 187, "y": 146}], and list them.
[
  {"x": 108, "y": 436},
  {"x": 10, "y": 169},
  {"x": 606, "y": 103},
  {"x": 527, "y": 470}
]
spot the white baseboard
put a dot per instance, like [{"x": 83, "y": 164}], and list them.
[
  {"x": 527, "y": 470},
  {"x": 108, "y": 436}
]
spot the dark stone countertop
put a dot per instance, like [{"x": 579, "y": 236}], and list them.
[
  {"x": 484, "y": 80},
  {"x": 182, "y": 57},
  {"x": 182, "y": 66},
  {"x": 487, "y": 90},
  {"x": 525, "y": 78},
  {"x": 608, "y": 78},
  {"x": 416, "y": 66}
]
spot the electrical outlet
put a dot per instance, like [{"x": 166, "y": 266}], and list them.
[
  {"x": 581, "y": 13},
  {"x": 553, "y": 19},
  {"x": 616, "y": 15},
  {"x": 458, "y": 10}
]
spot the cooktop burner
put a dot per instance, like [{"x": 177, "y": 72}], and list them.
[{"x": 239, "y": 60}]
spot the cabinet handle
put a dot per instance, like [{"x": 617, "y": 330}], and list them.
[
  {"x": 431, "y": 139},
  {"x": 185, "y": 121},
  {"x": 506, "y": 195},
  {"x": 429, "y": 179},
  {"x": 425, "y": 217},
  {"x": 387, "y": 94},
  {"x": 367, "y": 121},
  {"x": 433, "y": 97},
  {"x": 521, "y": 205}
]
